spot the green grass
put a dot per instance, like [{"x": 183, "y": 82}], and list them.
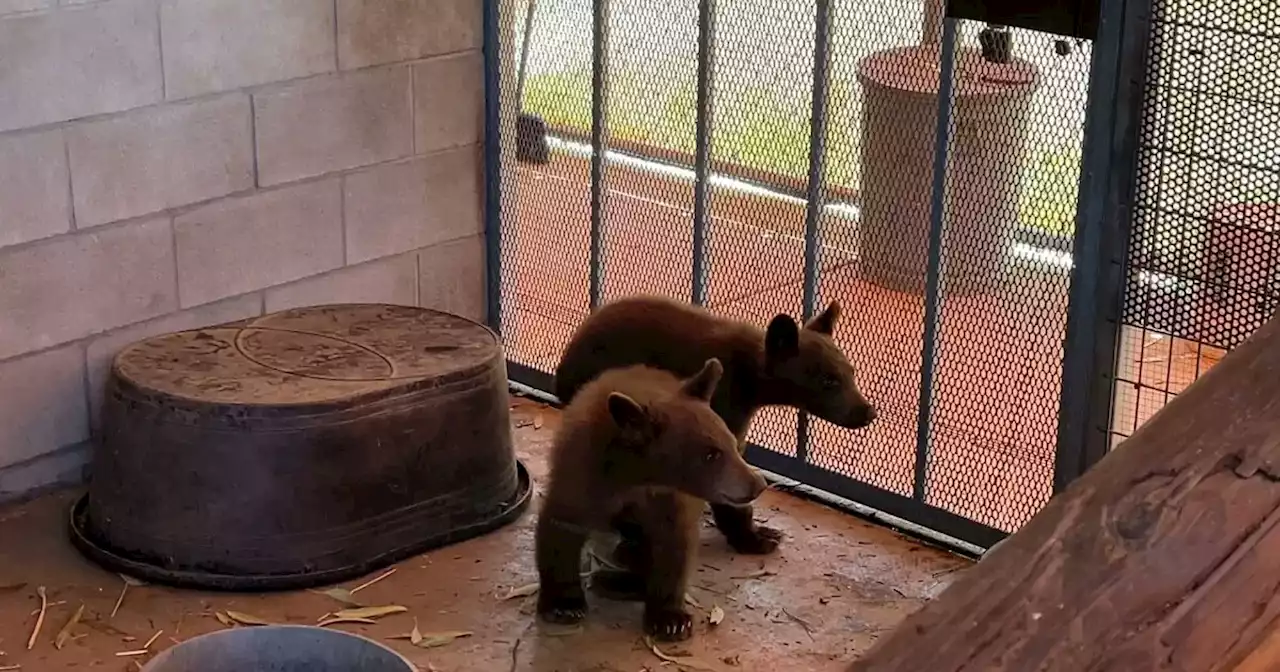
[
  {"x": 766, "y": 128},
  {"x": 754, "y": 127},
  {"x": 1050, "y": 189}
]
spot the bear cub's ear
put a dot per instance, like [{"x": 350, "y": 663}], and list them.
[
  {"x": 825, "y": 322},
  {"x": 626, "y": 412},
  {"x": 782, "y": 339},
  {"x": 703, "y": 384}
]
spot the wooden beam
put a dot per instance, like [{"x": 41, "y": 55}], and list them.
[{"x": 1164, "y": 556}]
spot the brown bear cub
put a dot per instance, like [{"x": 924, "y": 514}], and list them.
[
  {"x": 785, "y": 364},
  {"x": 639, "y": 440}
]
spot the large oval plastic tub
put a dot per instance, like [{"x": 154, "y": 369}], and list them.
[
  {"x": 300, "y": 448},
  {"x": 279, "y": 648}
]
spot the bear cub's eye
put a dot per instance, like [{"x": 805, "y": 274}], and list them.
[
  {"x": 830, "y": 382},
  {"x": 711, "y": 456}
]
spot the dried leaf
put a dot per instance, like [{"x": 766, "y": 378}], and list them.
[
  {"x": 6, "y": 668},
  {"x": 686, "y": 662},
  {"x": 334, "y": 621},
  {"x": 716, "y": 617},
  {"x": 808, "y": 629},
  {"x": 44, "y": 606},
  {"x": 119, "y": 600},
  {"x": 374, "y": 580},
  {"x": 414, "y": 637},
  {"x": 242, "y": 618},
  {"x": 341, "y": 595},
  {"x": 522, "y": 591},
  {"x": 755, "y": 575},
  {"x": 431, "y": 640},
  {"x": 128, "y": 581},
  {"x": 537, "y": 422},
  {"x": 692, "y": 601},
  {"x": 370, "y": 612},
  {"x": 224, "y": 619},
  {"x": 65, "y": 633},
  {"x": 59, "y": 603}
]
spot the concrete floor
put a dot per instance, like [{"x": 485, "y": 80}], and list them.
[{"x": 837, "y": 585}]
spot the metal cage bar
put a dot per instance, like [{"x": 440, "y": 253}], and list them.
[
  {"x": 702, "y": 149},
  {"x": 815, "y": 194},
  {"x": 933, "y": 279},
  {"x": 599, "y": 120},
  {"x": 1103, "y": 229},
  {"x": 493, "y": 164}
]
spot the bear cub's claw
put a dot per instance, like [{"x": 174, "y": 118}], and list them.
[
  {"x": 760, "y": 540},
  {"x": 563, "y": 610},
  {"x": 668, "y": 625}
]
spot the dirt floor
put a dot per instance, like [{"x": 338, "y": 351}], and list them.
[{"x": 837, "y": 584}]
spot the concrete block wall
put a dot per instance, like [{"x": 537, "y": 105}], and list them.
[{"x": 169, "y": 164}]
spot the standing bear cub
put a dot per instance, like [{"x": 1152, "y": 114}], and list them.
[
  {"x": 643, "y": 441},
  {"x": 783, "y": 365}
]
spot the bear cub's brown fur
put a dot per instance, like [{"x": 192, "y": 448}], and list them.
[
  {"x": 641, "y": 440},
  {"x": 785, "y": 364}
]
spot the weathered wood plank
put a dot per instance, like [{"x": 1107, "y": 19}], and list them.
[{"x": 1165, "y": 556}]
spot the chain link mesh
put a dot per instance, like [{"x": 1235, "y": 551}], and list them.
[
  {"x": 1012, "y": 180},
  {"x": 1203, "y": 253}
]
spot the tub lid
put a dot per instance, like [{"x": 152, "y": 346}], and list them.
[{"x": 311, "y": 355}]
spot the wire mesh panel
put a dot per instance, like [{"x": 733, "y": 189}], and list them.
[
  {"x": 1012, "y": 179},
  {"x": 763, "y": 158},
  {"x": 1204, "y": 251},
  {"x": 760, "y": 131},
  {"x": 652, "y": 105},
  {"x": 546, "y": 232}
]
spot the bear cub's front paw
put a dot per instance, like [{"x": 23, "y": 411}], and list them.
[
  {"x": 760, "y": 540},
  {"x": 668, "y": 624}
]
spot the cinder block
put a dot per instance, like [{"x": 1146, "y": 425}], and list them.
[
  {"x": 451, "y": 277},
  {"x": 64, "y": 289},
  {"x": 407, "y": 206},
  {"x": 44, "y": 404},
  {"x": 372, "y": 32},
  {"x": 78, "y": 62},
  {"x": 34, "y": 199},
  {"x": 15, "y": 6},
  {"x": 243, "y": 244},
  {"x": 101, "y": 350},
  {"x": 449, "y": 101},
  {"x": 318, "y": 126},
  {"x": 63, "y": 467},
  {"x": 391, "y": 280},
  {"x": 160, "y": 157},
  {"x": 228, "y": 44}
]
